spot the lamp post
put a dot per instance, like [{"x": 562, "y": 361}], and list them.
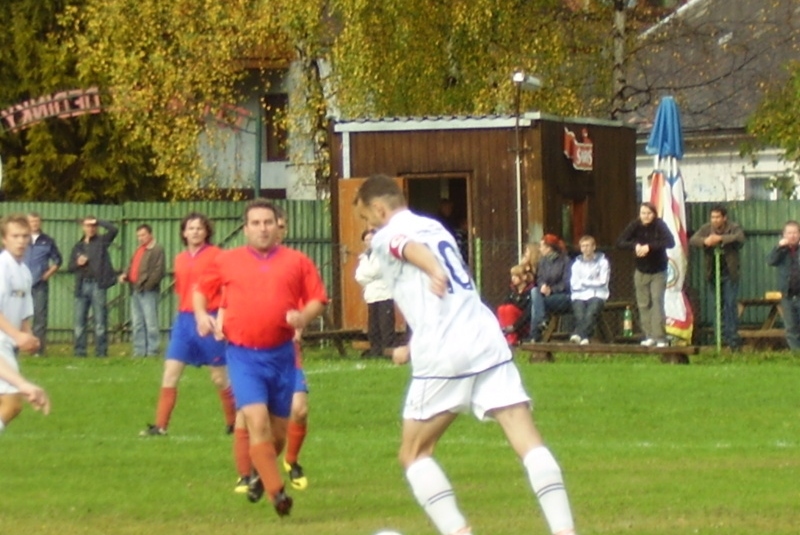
[{"x": 528, "y": 83}]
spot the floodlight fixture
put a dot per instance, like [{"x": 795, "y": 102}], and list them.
[{"x": 526, "y": 81}]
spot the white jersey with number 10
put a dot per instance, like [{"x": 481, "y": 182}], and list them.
[{"x": 453, "y": 336}]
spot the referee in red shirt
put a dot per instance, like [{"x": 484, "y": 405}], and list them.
[{"x": 262, "y": 282}]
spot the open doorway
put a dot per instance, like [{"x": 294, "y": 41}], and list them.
[{"x": 444, "y": 197}]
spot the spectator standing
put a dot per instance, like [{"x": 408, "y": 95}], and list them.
[
  {"x": 649, "y": 238},
  {"x": 551, "y": 293},
  {"x": 784, "y": 256},
  {"x": 729, "y": 237},
  {"x": 43, "y": 259},
  {"x": 16, "y": 309},
  {"x": 380, "y": 306},
  {"x": 460, "y": 361},
  {"x": 144, "y": 276},
  {"x": 260, "y": 328},
  {"x": 94, "y": 274},
  {"x": 588, "y": 284}
]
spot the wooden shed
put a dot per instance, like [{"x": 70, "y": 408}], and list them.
[{"x": 509, "y": 180}]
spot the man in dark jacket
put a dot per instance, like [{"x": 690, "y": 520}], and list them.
[
  {"x": 94, "y": 274},
  {"x": 144, "y": 275},
  {"x": 785, "y": 257},
  {"x": 728, "y": 237},
  {"x": 43, "y": 259}
]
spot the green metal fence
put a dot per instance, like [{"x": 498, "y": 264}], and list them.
[{"x": 308, "y": 230}]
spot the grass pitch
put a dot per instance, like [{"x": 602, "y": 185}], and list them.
[{"x": 646, "y": 449}]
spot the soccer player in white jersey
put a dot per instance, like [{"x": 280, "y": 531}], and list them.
[
  {"x": 459, "y": 358},
  {"x": 16, "y": 310}
]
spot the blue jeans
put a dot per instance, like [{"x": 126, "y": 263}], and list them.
[
  {"x": 90, "y": 295},
  {"x": 40, "y": 294},
  {"x": 144, "y": 317},
  {"x": 541, "y": 305},
  {"x": 791, "y": 320},
  {"x": 729, "y": 295},
  {"x": 586, "y": 313}
]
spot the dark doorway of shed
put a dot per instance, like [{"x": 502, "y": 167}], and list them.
[{"x": 444, "y": 198}]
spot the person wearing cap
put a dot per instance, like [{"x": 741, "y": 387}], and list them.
[
  {"x": 94, "y": 274},
  {"x": 551, "y": 293}
]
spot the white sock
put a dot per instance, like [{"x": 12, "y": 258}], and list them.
[
  {"x": 548, "y": 485},
  {"x": 435, "y": 494}
]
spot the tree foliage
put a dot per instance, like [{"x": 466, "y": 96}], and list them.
[{"x": 84, "y": 159}]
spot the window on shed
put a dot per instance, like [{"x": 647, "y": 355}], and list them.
[
  {"x": 276, "y": 135},
  {"x": 758, "y": 188}
]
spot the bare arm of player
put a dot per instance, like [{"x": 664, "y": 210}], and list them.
[
  {"x": 205, "y": 321},
  {"x": 422, "y": 257},
  {"x": 35, "y": 394},
  {"x": 23, "y": 338},
  {"x": 300, "y": 318},
  {"x": 219, "y": 336}
]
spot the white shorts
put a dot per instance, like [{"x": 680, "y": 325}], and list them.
[
  {"x": 494, "y": 388},
  {"x": 11, "y": 359}
]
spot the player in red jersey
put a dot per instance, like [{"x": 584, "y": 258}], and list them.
[
  {"x": 186, "y": 347},
  {"x": 298, "y": 420},
  {"x": 263, "y": 283}
]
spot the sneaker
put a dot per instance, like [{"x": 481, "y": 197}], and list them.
[
  {"x": 242, "y": 485},
  {"x": 255, "y": 488},
  {"x": 153, "y": 431},
  {"x": 296, "y": 476},
  {"x": 575, "y": 339},
  {"x": 648, "y": 342},
  {"x": 283, "y": 503},
  {"x": 584, "y": 342},
  {"x": 662, "y": 343}
]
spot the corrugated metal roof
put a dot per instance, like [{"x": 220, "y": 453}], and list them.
[{"x": 458, "y": 122}]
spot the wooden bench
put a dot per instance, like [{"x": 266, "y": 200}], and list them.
[
  {"x": 765, "y": 335},
  {"x": 543, "y": 352},
  {"x": 604, "y": 329},
  {"x": 763, "y": 338}
]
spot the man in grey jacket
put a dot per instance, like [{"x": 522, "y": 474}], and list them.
[{"x": 144, "y": 276}]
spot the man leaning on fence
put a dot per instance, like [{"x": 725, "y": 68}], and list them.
[
  {"x": 144, "y": 276},
  {"x": 728, "y": 237},
  {"x": 94, "y": 274},
  {"x": 43, "y": 259},
  {"x": 785, "y": 257}
]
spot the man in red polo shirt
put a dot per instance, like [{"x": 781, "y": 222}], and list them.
[{"x": 262, "y": 283}]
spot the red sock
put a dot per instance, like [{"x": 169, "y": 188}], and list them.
[
  {"x": 265, "y": 460},
  {"x": 241, "y": 451},
  {"x": 166, "y": 402},
  {"x": 295, "y": 435},
  {"x": 228, "y": 405}
]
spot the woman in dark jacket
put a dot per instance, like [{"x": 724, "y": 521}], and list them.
[
  {"x": 649, "y": 238},
  {"x": 551, "y": 293}
]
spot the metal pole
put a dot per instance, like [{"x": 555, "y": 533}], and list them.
[
  {"x": 518, "y": 170},
  {"x": 718, "y": 296},
  {"x": 259, "y": 149}
]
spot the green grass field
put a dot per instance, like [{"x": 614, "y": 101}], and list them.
[{"x": 646, "y": 448}]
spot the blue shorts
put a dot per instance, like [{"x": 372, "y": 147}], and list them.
[
  {"x": 186, "y": 346},
  {"x": 263, "y": 376},
  {"x": 300, "y": 383}
]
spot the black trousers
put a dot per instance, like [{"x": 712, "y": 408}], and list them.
[{"x": 380, "y": 331}]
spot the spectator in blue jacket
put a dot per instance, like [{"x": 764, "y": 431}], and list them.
[
  {"x": 43, "y": 259},
  {"x": 551, "y": 293},
  {"x": 784, "y": 256}
]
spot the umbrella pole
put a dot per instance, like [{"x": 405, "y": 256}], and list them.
[{"x": 718, "y": 296}]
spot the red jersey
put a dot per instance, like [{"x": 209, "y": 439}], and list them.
[
  {"x": 260, "y": 288},
  {"x": 189, "y": 270}
]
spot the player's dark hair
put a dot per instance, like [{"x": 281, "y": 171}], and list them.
[
  {"x": 380, "y": 186},
  {"x": 146, "y": 227},
  {"x": 260, "y": 203},
  {"x": 203, "y": 219},
  {"x": 17, "y": 218}
]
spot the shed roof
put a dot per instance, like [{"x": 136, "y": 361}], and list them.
[
  {"x": 457, "y": 122},
  {"x": 716, "y": 57}
]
